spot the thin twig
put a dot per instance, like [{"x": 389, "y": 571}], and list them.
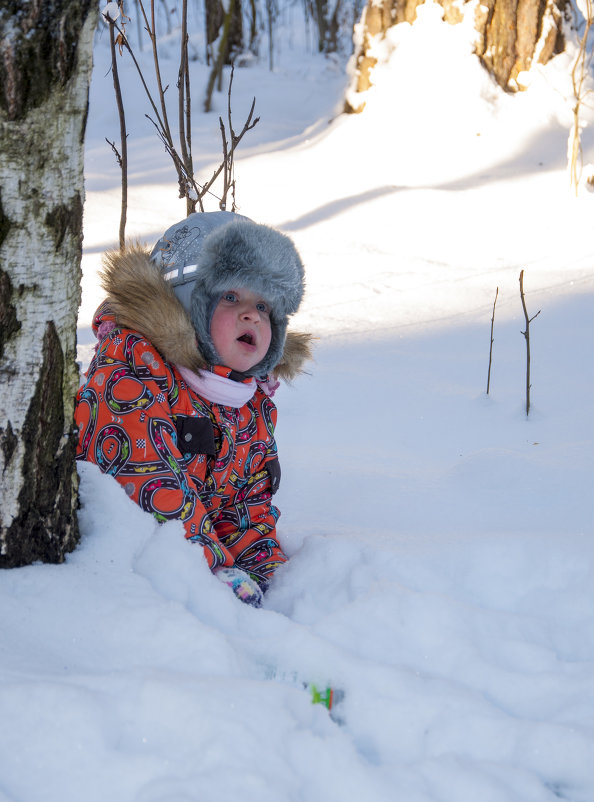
[
  {"x": 188, "y": 186},
  {"x": 527, "y": 338},
  {"x": 113, "y": 146},
  {"x": 162, "y": 123},
  {"x": 152, "y": 32},
  {"x": 123, "y": 160},
  {"x": 492, "y": 341},
  {"x": 227, "y": 164},
  {"x": 185, "y": 107}
]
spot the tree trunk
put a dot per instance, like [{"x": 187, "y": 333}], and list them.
[
  {"x": 515, "y": 32},
  {"x": 326, "y": 17},
  {"x": 215, "y": 19},
  {"x": 512, "y": 34},
  {"x": 45, "y": 67},
  {"x": 321, "y": 18}
]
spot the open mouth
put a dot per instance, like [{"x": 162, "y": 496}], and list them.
[{"x": 246, "y": 338}]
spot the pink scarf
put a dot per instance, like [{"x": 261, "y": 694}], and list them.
[{"x": 221, "y": 390}]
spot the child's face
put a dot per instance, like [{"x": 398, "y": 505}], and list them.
[{"x": 240, "y": 329}]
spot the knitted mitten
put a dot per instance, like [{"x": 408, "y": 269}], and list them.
[{"x": 241, "y": 583}]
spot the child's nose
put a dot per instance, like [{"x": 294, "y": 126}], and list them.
[{"x": 250, "y": 312}]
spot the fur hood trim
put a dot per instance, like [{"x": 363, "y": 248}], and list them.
[{"x": 142, "y": 300}]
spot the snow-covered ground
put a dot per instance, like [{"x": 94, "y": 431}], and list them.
[{"x": 442, "y": 569}]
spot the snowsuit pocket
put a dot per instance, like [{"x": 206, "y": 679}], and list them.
[{"x": 195, "y": 436}]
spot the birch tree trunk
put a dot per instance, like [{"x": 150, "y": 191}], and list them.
[{"x": 45, "y": 68}]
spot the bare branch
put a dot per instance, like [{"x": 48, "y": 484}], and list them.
[
  {"x": 527, "y": 338},
  {"x": 227, "y": 164},
  {"x": 185, "y": 181},
  {"x": 185, "y": 106},
  {"x": 123, "y": 159},
  {"x": 492, "y": 341},
  {"x": 182, "y": 159},
  {"x": 162, "y": 124},
  {"x": 115, "y": 150},
  {"x": 152, "y": 32}
]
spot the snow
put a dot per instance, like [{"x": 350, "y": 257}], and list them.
[
  {"x": 442, "y": 558},
  {"x": 111, "y": 11}
]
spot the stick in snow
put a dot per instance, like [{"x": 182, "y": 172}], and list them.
[
  {"x": 527, "y": 338},
  {"x": 491, "y": 346}
]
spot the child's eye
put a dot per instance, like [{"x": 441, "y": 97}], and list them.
[
  {"x": 263, "y": 307},
  {"x": 231, "y": 297}
]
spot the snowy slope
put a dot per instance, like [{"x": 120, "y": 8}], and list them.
[{"x": 441, "y": 542}]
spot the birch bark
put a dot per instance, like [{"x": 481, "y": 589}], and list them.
[{"x": 45, "y": 68}]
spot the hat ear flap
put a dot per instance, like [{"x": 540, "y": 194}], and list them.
[
  {"x": 201, "y": 311},
  {"x": 278, "y": 333}
]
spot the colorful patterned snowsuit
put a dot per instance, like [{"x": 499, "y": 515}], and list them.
[{"x": 179, "y": 456}]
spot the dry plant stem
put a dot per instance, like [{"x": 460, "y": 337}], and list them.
[
  {"x": 152, "y": 32},
  {"x": 123, "y": 158},
  {"x": 124, "y": 42},
  {"x": 162, "y": 124},
  {"x": 228, "y": 158},
  {"x": 188, "y": 187},
  {"x": 527, "y": 338},
  {"x": 229, "y": 155},
  {"x": 185, "y": 107},
  {"x": 225, "y": 165},
  {"x": 185, "y": 178},
  {"x": 229, "y": 183},
  {"x": 113, "y": 146},
  {"x": 492, "y": 341}
]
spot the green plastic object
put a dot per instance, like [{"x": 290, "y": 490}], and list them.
[{"x": 322, "y": 697}]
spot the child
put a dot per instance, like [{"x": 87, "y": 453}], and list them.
[{"x": 177, "y": 399}]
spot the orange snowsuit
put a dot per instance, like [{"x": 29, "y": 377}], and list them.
[{"x": 179, "y": 456}]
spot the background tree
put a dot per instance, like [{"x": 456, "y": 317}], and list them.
[
  {"x": 326, "y": 19},
  {"x": 511, "y": 35},
  {"x": 227, "y": 19},
  {"x": 333, "y": 22},
  {"x": 45, "y": 67}
]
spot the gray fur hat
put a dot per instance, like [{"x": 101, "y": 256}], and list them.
[{"x": 211, "y": 252}]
